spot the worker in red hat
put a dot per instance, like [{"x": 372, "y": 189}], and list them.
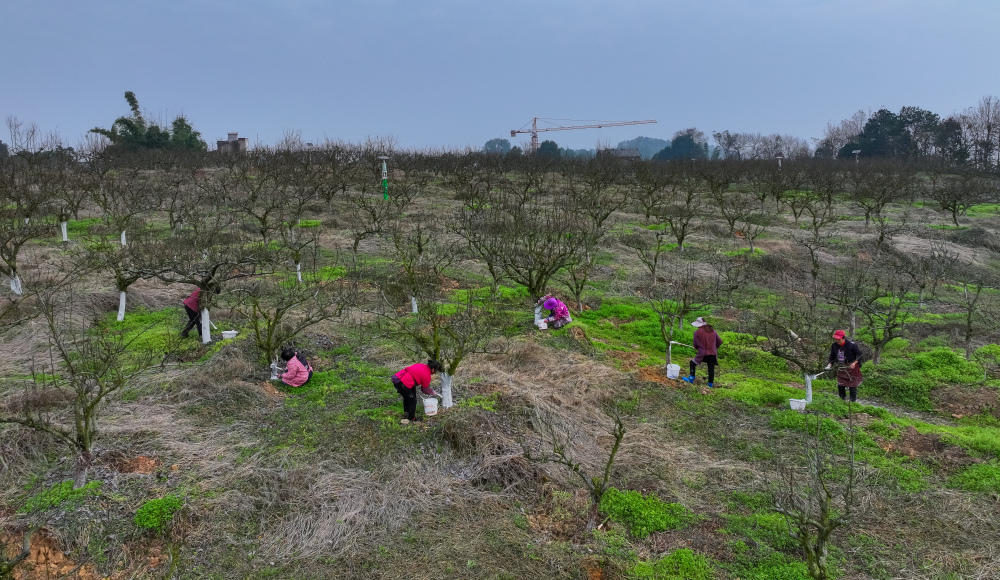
[{"x": 847, "y": 357}]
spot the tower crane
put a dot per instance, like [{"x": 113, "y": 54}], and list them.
[{"x": 596, "y": 125}]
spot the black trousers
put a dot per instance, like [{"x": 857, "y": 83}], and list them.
[
  {"x": 711, "y": 361},
  {"x": 409, "y": 397},
  {"x": 193, "y": 316},
  {"x": 842, "y": 391}
]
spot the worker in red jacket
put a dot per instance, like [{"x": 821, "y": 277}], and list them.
[
  {"x": 406, "y": 382},
  {"x": 192, "y": 305}
]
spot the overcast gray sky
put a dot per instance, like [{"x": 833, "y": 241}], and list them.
[{"x": 451, "y": 73}]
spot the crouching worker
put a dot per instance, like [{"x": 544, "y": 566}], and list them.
[
  {"x": 707, "y": 343},
  {"x": 406, "y": 382},
  {"x": 297, "y": 370},
  {"x": 558, "y": 312}
]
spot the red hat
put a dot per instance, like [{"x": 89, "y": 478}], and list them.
[{"x": 839, "y": 334}]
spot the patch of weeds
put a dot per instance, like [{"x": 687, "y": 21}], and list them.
[
  {"x": 984, "y": 477},
  {"x": 484, "y": 402},
  {"x": 644, "y": 515},
  {"x": 60, "y": 495},
  {"x": 615, "y": 544},
  {"x": 760, "y": 392},
  {"x": 947, "y": 227},
  {"x": 156, "y": 514},
  {"x": 744, "y": 251},
  {"x": 683, "y": 564}
]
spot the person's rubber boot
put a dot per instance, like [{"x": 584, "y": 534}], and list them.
[
  {"x": 711, "y": 385},
  {"x": 688, "y": 379}
]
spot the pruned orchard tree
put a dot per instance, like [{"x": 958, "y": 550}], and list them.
[
  {"x": 23, "y": 198},
  {"x": 87, "y": 364},
  {"x": 444, "y": 328},
  {"x": 880, "y": 295},
  {"x": 674, "y": 300},
  {"x": 209, "y": 253},
  {"x": 423, "y": 249},
  {"x": 282, "y": 305},
  {"x": 683, "y": 203},
  {"x": 526, "y": 243},
  {"x": 125, "y": 194},
  {"x": 556, "y": 443},
  {"x": 125, "y": 264},
  {"x": 818, "y": 498}
]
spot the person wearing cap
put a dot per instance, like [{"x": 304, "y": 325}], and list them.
[
  {"x": 707, "y": 343},
  {"x": 559, "y": 313},
  {"x": 406, "y": 382},
  {"x": 847, "y": 356}
]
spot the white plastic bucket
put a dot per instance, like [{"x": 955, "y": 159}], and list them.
[
  {"x": 229, "y": 333},
  {"x": 542, "y": 325},
  {"x": 430, "y": 406},
  {"x": 797, "y": 404},
  {"x": 673, "y": 371}
]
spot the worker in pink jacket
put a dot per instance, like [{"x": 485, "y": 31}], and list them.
[
  {"x": 559, "y": 312},
  {"x": 297, "y": 370},
  {"x": 406, "y": 382}
]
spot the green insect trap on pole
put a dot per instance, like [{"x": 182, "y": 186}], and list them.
[{"x": 385, "y": 179}]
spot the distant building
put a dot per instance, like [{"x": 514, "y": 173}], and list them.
[
  {"x": 234, "y": 144},
  {"x": 627, "y": 154}
]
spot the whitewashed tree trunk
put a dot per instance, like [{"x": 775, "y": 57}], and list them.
[
  {"x": 274, "y": 371},
  {"x": 854, "y": 324},
  {"x": 809, "y": 387},
  {"x": 413, "y": 304},
  {"x": 538, "y": 314},
  {"x": 27, "y": 220},
  {"x": 121, "y": 306},
  {"x": 123, "y": 238},
  {"x": 206, "y": 327},
  {"x": 298, "y": 271},
  {"x": 15, "y": 284},
  {"x": 446, "y": 390},
  {"x": 65, "y": 232}
]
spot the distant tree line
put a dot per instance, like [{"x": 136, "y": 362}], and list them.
[{"x": 971, "y": 137}]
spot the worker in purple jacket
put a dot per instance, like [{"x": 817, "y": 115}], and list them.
[{"x": 707, "y": 343}]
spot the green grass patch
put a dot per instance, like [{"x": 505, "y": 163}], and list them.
[
  {"x": 947, "y": 227},
  {"x": 644, "y": 515},
  {"x": 156, "y": 514},
  {"x": 60, "y": 495},
  {"x": 984, "y": 477},
  {"x": 683, "y": 564},
  {"x": 983, "y": 210}
]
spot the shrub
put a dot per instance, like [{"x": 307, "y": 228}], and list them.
[
  {"x": 644, "y": 514},
  {"x": 60, "y": 495},
  {"x": 683, "y": 564},
  {"x": 156, "y": 514}
]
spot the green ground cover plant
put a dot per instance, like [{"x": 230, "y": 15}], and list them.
[
  {"x": 156, "y": 514},
  {"x": 61, "y": 495},
  {"x": 644, "y": 514},
  {"x": 682, "y": 564}
]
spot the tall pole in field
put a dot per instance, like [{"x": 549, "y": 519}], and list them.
[{"x": 385, "y": 178}]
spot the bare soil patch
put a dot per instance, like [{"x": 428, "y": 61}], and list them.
[
  {"x": 963, "y": 401},
  {"x": 928, "y": 446},
  {"x": 118, "y": 461},
  {"x": 629, "y": 360},
  {"x": 703, "y": 537}
]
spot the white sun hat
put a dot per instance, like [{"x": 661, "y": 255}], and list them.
[{"x": 699, "y": 322}]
